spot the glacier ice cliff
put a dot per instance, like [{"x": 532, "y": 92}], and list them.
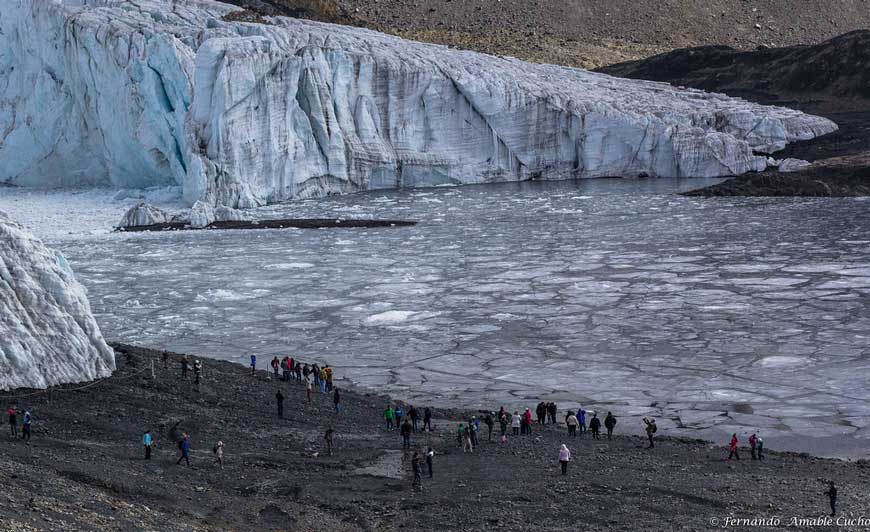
[
  {"x": 48, "y": 335},
  {"x": 141, "y": 93}
]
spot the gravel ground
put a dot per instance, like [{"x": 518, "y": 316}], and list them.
[{"x": 84, "y": 468}]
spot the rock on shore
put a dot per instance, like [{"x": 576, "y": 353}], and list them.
[
  {"x": 152, "y": 92},
  {"x": 48, "y": 335}
]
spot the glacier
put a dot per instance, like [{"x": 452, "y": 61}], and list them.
[
  {"x": 48, "y": 335},
  {"x": 145, "y": 93}
]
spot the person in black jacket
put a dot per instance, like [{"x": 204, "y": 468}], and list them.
[
  {"x": 427, "y": 419},
  {"x": 279, "y": 398},
  {"x": 415, "y": 416},
  {"x": 406, "y": 434},
  {"x": 336, "y": 398},
  {"x": 489, "y": 423},
  {"x": 595, "y": 426},
  {"x": 609, "y": 424},
  {"x": 832, "y": 497}
]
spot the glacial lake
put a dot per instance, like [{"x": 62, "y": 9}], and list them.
[{"x": 712, "y": 315}]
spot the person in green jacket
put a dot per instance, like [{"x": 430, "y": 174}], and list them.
[{"x": 389, "y": 416}]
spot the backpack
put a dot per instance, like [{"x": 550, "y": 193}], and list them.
[{"x": 653, "y": 428}]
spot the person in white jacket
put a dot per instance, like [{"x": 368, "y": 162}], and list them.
[
  {"x": 564, "y": 458},
  {"x": 516, "y": 420}
]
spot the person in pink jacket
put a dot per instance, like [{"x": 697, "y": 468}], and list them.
[{"x": 564, "y": 458}]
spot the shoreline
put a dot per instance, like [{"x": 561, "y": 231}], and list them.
[{"x": 84, "y": 468}]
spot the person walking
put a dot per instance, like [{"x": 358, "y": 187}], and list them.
[
  {"x": 323, "y": 381},
  {"x": 405, "y": 431},
  {"x": 581, "y": 421},
  {"x": 13, "y": 421},
  {"x": 552, "y": 410},
  {"x": 503, "y": 423},
  {"x": 733, "y": 447},
  {"x": 415, "y": 417},
  {"x": 165, "y": 356},
  {"x": 427, "y": 420},
  {"x": 148, "y": 442},
  {"x": 298, "y": 371},
  {"x": 336, "y": 400},
  {"x": 219, "y": 453},
  {"x": 467, "y": 441},
  {"x": 416, "y": 466},
  {"x": 571, "y": 422},
  {"x": 650, "y": 431},
  {"x": 27, "y": 420},
  {"x": 489, "y": 422},
  {"x": 595, "y": 426},
  {"x": 516, "y": 423},
  {"x": 609, "y": 424},
  {"x": 308, "y": 388},
  {"x": 564, "y": 458},
  {"x": 306, "y": 371},
  {"x": 184, "y": 448},
  {"x": 760, "y": 449},
  {"x": 430, "y": 454},
  {"x": 328, "y": 370},
  {"x": 197, "y": 372},
  {"x": 753, "y": 442},
  {"x": 832, "y": 498},
  {"x": 327, "y": 437},
  {"x": 279, "y": 399},
  {"x": 389, "y": 416},
  {"x": 541, "y": 412},
  {"x": 253, "y": 365},
  {"x": 185, "y": 366}
]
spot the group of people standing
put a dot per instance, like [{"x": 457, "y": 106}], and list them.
[
  {"x": 756, "y": 447},
  {"x": 26, "y": 423}
]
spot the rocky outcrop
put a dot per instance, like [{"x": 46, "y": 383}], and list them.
[
  {"x": 151, "y": 92},
  {"x": 48, "y": 335}
]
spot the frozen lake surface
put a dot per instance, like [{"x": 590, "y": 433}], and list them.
[{"x": 713, "y": 315}]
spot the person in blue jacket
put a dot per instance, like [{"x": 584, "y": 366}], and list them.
[
  {"x": 184, "y": 447},
  {"x": 148, "y": 442},
  {"x": 253, "y": 365}
]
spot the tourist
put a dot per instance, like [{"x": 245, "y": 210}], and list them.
[
  {"x": 733, "y": 447},
  {"x": 571, "y": 422},
  {"x": 552, "y": 410},
  {"x": 328, "y": 370},
  {"x": 26, "y": 425},
  {"x": 489, "y": 423},
  {"x": 541, "y": 412},
  {"x": 527, "y": 422},
  {"x": 389, "y": 416},
  {"x": 13, "y": 421},
  {"x": 595, "y": 426},
  {"x": 753, "y": 442},
  {"x": 184, "y": 448},
  {"x": 148, "y": 442},
  {"x": 415, "y": 465},
  {"x": 275, "y": 365},
  {"x": 285, "y": 369},
  {"x": 298, "y": 371},
  {"x": 398, "y": 413},
  {"x": 253, "y": 365},
  {"x": 430, "y": 454},
  {"x": 760, "y": 449},
  {"x": 336, "y": 400},
  {"x": 327, "y": 437},
  {"x": 516, "y": 423},
  {"x": 564, "y": 458},
  {"x": 474, "y": 426},
  {"x": 405, "y": 431},
  {"x": 185, "y": 365},
  {"x": 306, "y": 371},
  {"x": 427, "y": 419},
  {"x": 279, "y": 399},
  {"x": 197, "y": 371},
  {"x": 323, "y": 380},
  {"x": 308, "y": 388},
  {"x": 503, "y": 422},
  {"x": 832, "y": 498},
  {"x": 581, "y": 420},
  {"x": 165, "y": 356},
  {"x": 219, "y": 453},
  {"x": 650, "y": 430},
  {"x": 467, "y": 441},
  {"x": 609, "y": 424},
  {"x": 415, "y": 416}
]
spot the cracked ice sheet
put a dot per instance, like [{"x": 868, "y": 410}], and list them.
[{"x": 641, "y": 302}]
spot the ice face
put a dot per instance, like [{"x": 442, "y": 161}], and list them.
[
  {"x": 612, "y": 294},
  {"x": 152, "y": 93},
  {"x": 48, "y": 335}
]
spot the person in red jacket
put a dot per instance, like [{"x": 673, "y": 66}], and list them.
[
  {"x": 733, "y": 447},
  {"x": 527, "y": 421}
]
